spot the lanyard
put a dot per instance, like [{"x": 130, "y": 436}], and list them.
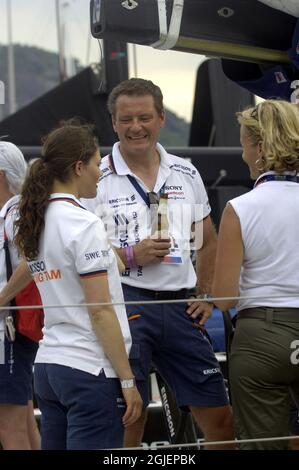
[
  {"x": 145, "y": 196},
  {"x": 275, "y": 177},
  {"x": 67, "y": 199},
  {"x": 7, "y": 212}
]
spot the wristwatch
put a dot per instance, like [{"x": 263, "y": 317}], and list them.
[
  {"x": 128, "y": 383},
  {"x": 207, "y": 298}
]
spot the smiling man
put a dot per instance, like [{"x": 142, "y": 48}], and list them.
[{"x": 144, "y": 192}]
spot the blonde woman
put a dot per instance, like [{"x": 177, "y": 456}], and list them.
[{"x": 258, "y": 259}]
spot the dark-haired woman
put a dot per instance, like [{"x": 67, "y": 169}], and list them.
[{"x": 83, "y": 382}]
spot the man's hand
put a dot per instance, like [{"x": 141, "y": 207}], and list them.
[
  {"x": 201, "y": 310},
  {"x": 134, "y": 405},
  {"x": 151, "y": 251}
]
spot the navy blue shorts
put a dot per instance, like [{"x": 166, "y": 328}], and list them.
[
  {"x": 80, "y": 411},
  {"x": 163, "y": 334},
  {"x": 16, "y": 373}
]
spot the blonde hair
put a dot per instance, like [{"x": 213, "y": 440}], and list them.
[{"x": 274, "y": 124}]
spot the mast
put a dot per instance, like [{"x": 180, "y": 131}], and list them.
[
  {"x": 60, "y": 39},
  {"x": 66, "y": 62},
  {"x": 11, "y": 63}
]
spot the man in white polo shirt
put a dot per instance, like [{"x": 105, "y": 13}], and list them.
[{"x": 155, "y": 248}]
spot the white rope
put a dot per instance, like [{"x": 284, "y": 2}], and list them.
[
  {"x": 149, "y": 302},
  {"x": 199, "y": 442},
  {"x": 161, "y": 4}
]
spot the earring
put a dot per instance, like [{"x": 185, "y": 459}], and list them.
[{"x": 259, "y": 163}]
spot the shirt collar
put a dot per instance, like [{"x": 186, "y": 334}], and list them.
[
  {"x": 65, "y": 196},
  {"x": 264, "y": 176},
  {"x": 13, "y": 200},
  {"x": 119, "y": 166}
]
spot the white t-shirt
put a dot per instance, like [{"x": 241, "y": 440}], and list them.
[
  {"x": 269, "y": 216},
  {"x": 9, "y": 212},
  {"x": 74, "y": 244},
  {"x": 128, "y": 220}
]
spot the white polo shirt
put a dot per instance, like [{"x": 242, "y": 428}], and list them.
[
  {"x": 10, "y": 216},
  {"x": 128, "y": 220},
  {"x": 74, "y": 245}
]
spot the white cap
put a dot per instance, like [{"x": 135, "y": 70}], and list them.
[{"x": 13, "y": 163}]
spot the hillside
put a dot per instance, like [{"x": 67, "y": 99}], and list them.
[{"x": 37, "y": 73}]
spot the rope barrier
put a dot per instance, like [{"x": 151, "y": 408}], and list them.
[
  {"x": 201, "y": 442},
  {"x": 148, "y": 302}
]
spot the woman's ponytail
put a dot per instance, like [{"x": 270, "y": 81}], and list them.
[
  {"x": 62, "y": 148},
  {"x": 34, "y": 201}
]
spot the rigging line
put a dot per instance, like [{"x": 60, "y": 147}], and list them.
[
  {"x": 78, "y": 22},
  {"x": 73, "y": 14},
  {"x": 36, "y": 24},
  {"x": 44, "y": 28}
]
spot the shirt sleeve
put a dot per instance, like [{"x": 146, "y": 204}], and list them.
[
  {"x": 95, "y": 205},
  {"x": 202, "y": 206},
  {"x": 92, "y": 257},
  {"x": 89, "y": 204}
]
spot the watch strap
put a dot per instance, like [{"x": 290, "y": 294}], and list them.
[{"x": 128, "y": 383}]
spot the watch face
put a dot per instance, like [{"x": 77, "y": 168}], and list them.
[
  {"x": 207, "y": 297},
  {"x": 127, "y": 383}
]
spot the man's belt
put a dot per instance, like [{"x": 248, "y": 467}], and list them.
[{"x": 161, "y": 294}]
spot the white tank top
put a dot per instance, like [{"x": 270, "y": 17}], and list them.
[{"x": 269, "y": 218}]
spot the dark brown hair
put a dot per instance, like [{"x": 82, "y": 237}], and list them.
[
  {"x": 136, "y": 87},
  {"x": 62, "y": 149}
]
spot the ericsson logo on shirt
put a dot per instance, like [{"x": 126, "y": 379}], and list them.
[
  {"x": 185, "y": 170},
  {"x": 41, "y": 274},
  {"x": 123, "y": 201}
]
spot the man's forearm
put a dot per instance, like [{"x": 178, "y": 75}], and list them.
[
  {"x": 205, "y": 264},
  {"x": 145, "y": 252},
  {"x": 19, "y": 279}
]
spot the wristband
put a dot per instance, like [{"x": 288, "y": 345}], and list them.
[{"x": 129, "y": 254}]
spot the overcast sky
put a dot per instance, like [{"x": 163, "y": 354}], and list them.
[{"x": 34, "y": 24}]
